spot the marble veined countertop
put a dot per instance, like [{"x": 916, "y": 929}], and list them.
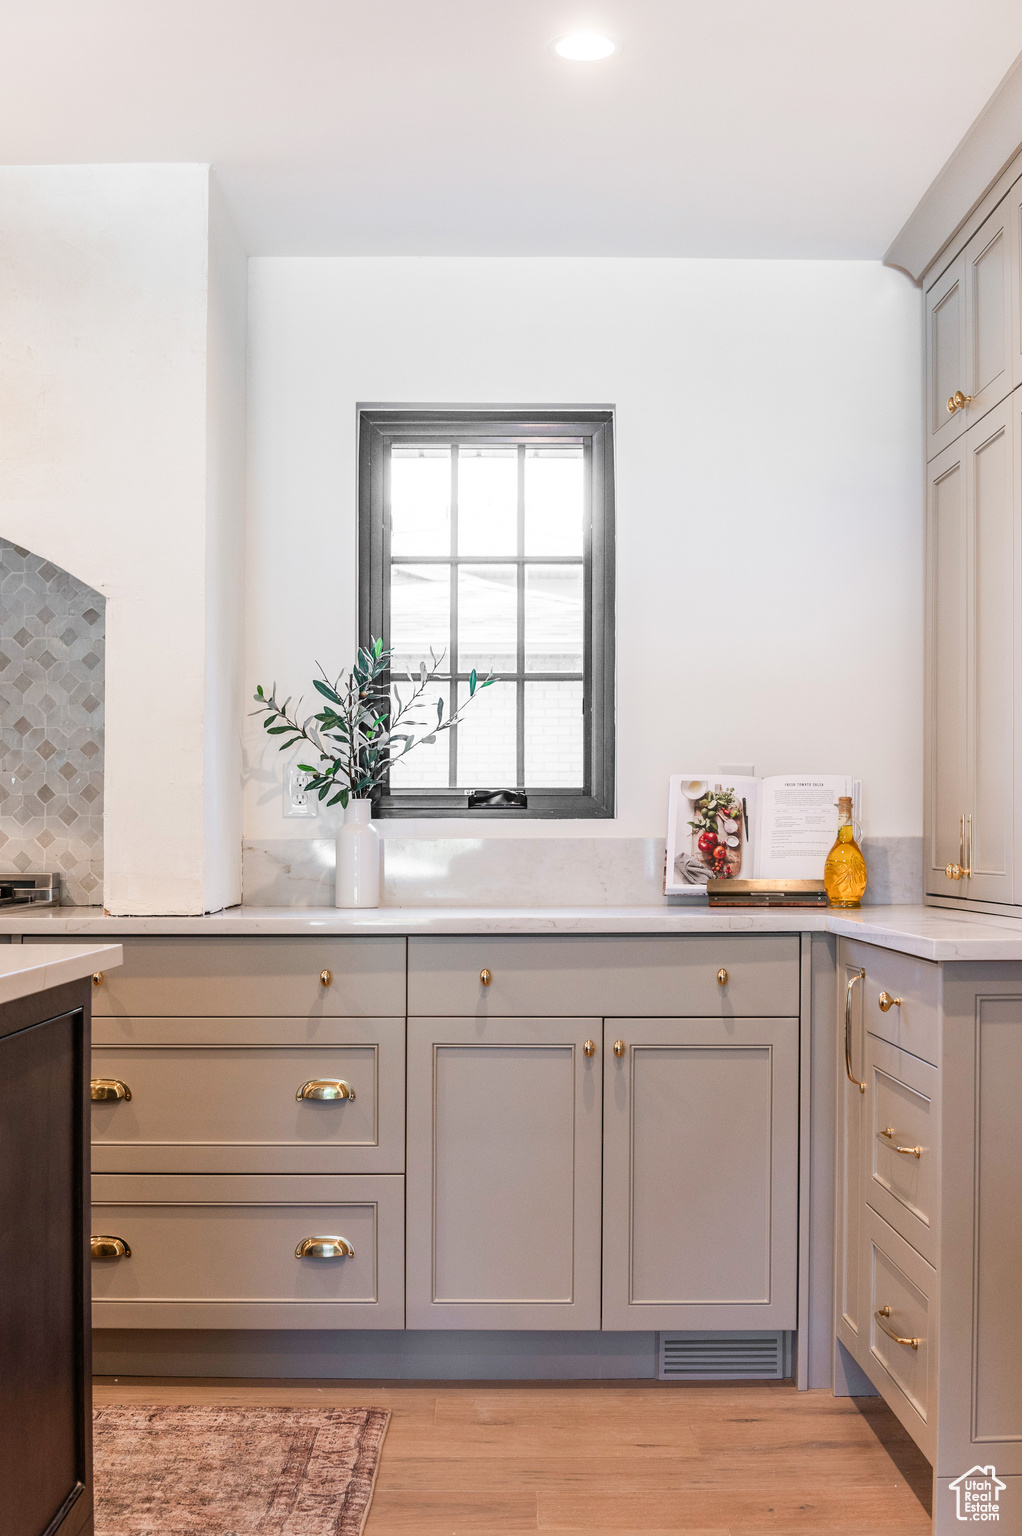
[
  {"x": 27, "y": 968},
  {"x": 927, "y": 932}
]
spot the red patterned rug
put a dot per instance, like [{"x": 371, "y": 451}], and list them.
[{"x": 205, "y": 1471}]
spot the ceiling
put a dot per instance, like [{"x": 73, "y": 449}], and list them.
[{"x": 737, "y": 128}]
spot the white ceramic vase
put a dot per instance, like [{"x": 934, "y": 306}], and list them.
[{"x": 357, "y": 882}]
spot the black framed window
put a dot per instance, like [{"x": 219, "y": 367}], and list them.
[{"x": 489, "y": 536}]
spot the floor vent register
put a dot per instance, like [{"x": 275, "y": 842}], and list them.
[{"x": 725, "y": 1356}]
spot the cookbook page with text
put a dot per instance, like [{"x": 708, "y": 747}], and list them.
[{"x": 798, "y": 824}]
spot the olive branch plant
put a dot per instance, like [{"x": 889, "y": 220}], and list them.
[{"x": 356, "y": 734}]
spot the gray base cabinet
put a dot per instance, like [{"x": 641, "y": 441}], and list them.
[
  {"x": 503, "y": 1173},
  {"x": 929, "y": 1256},
  {"x": 700, "y": 1173},
  {"x": 491, "y": 1162}
]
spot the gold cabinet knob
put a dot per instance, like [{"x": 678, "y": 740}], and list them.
[
  {"x": 97, "y": 978},
  {"x": 958, "y": 402},
  {"x": 722, "y": 977},
  {"x": 325, "y": 978},
  {"x": 109, "y": 1248},
  {"x": 328, "y": 1089},
  {"x": 324, "y": 1248},
  {"x": 485, "y": 977},
  {"x": 105, "y": 1089},
  {"x": 954, "y": 871},
  {"x": 619, "y": 1048},
  {"x": 589, "y": 1049},
  {"x": 886, "y": 1002}
]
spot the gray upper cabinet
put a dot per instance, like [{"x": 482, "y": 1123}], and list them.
[
  {"x": 969, "y": 313},
  {"x": 503, "y": 1173},
  {"x": 945, "y": 356},
  {"x": 700, "y": 1173},
  {"x": 972, "y": 624}
]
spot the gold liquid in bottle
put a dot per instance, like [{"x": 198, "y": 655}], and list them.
[{"x": 844, "y": 873}]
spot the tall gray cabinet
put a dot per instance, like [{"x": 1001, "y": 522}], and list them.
[{"x": 973, "y": 840}]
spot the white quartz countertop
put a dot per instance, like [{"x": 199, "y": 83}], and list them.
[
  {"x": 27, "y": 968},
  {"x": 927, "y": 932}
]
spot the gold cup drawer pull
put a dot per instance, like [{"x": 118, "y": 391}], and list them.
[
  {"x": 329, "y": 1089},
  {"x": 109, "y": 1248},
  {"x": 887, "y": 1137},
  {"x": 105, "y": 1090},
  {"x": 886, "y": 1002},
  {"x": 881, "y": 1315},
  {"x": 324, "y": 1248}
]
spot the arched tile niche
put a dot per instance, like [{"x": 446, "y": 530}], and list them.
[{"x": 52, "y": 635}]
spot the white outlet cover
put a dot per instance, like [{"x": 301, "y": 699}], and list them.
[{"x": 297, "y": 800}]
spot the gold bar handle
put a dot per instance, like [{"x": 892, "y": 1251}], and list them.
[
  {"x": 104, "y": 1090},
  {"x": 887, "y": 1137},
  {"x": 881, "y": 1316},
  {"x": 853, "y": 978},
  {"x": 109, "y": 1248},
  {"x": 329, "y": 1089},
  {"x": 324, "y": 1248}
]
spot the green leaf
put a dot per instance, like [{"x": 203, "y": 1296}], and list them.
[
  {"x": 472, "y": 683},
  {"x": 377, "y": 647},
  {"x": 305, "y": 768},
  {"x": 326, "y": 690},
  {"x": 259, "y": 690},
  {"x": 278, "y": 730}
]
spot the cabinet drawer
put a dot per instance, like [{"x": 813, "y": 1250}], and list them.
[
  {"x": 215, "y": 975},
  {"x": 600, "y": 975},
  {"x": 902, "y": 1295},
  {"x": 219, "y": 1252},
  {"x": 903, "y": 1185},
  {"x": 911, "y": 1023},
  {"x": 234, "y": 1107}
]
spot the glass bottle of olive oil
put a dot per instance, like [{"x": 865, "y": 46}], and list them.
[{"x": 844, "y": 873}]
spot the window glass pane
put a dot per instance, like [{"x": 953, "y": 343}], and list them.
[
  {"x": 553, "y": 618},
  {"x": 553, "y": 735},
  {"x": 487, "y": 618},
  {"x": 420, "y": 501},
  {"x": 487, "y": 753},
  {"x": 428, "y": 766},
  {"x": 420, "y": 613},
  {"x": 487, "y": 501},
  {"x": 553, "y": 501}
]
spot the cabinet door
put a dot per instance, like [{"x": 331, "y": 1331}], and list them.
[
  {"x": 700, "y": 1173},
  {"x": 947, "y": 616},
  {"x": 991, "y": 498},
  {"x": 945, "y": 356},
  {"x": 988, "y": 311},
  {"x": 45, "y": 1408},
  {"x": 503, "y": 1173},
  {"x": 1014, "y": 222}
]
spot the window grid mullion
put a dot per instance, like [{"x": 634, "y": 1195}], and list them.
[{"x": 452, "y": 666}]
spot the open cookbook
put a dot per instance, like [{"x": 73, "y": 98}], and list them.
[{"x": 730, "y": 827}]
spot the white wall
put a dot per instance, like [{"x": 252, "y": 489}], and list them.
[
  {"x": 769, "y": 520},
  {"x": 105, "y": 328}
]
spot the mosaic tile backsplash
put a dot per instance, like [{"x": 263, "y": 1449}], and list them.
[{"x": 52, "y": 632}]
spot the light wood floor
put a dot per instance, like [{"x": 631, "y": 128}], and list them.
[{"x": 614, "y": 1459}]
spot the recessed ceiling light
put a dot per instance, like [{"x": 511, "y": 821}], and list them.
[{"x": 584, "y": 47}]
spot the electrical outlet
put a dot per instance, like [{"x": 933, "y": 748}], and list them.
[{"x": 297, "y": 800}]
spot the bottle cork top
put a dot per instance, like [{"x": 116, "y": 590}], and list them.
[{"x": 844, "y": 803}]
